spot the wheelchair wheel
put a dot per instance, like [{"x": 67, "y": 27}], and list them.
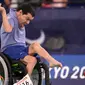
[
  {"x": 46, "y": 74},
  {"x": 15, "y": 70},
  {"x": 38, "y": 72},
  {"x": 37, "y": 75},
  {"x": 11, "y": 70},
  {"x": 5, "y": 70}
]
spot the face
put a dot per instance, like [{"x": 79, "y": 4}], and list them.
[{"x": 25, "y": 18}]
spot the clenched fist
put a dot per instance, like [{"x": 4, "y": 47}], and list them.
[{"x": 2, "y": 9}]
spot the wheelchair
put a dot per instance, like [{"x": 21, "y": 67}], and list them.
[{"x": 14, "y": 70}]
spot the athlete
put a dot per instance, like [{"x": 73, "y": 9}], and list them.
[{"x": 13, "y": 37}]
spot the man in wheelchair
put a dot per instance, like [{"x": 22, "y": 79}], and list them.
[{"x": 13, "y": 37}]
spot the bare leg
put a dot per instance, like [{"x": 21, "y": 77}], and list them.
[
  {"x": 30, "y": 62},
  {"x": 36, "y": 48}
]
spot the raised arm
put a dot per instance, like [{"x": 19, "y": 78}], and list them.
[{"x": 7, "y": 27}]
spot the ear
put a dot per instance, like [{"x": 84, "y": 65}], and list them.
[{"x": 20, "y": 11}]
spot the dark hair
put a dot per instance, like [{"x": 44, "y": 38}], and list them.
[{"x": 26, "y": 7}]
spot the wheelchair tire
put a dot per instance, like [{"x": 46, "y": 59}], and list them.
[
  {"x": 5, "y": 70},
  {"x": 38, "y": 77},
  {"x": 46, "y": 71}
]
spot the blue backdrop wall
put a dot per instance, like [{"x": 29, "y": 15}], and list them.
[{"x": 70, "y": 24}]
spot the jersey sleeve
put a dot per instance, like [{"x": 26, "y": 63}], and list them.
[{"x": 11, "y": 22}]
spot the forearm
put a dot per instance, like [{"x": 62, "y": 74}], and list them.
[{"x": 6, "y": 25}]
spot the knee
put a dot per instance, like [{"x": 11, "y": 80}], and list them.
[
  {"x": 34, "y": 47},
  {"x": 35, "y": 44},
  {"x": 29, "y": 59},
  {"x": 34, "y": 60}
]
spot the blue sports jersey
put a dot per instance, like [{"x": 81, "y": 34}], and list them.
[{"x": 16, "y": 36}]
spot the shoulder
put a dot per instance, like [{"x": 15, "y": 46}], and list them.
[
  {"x": 12, "y": 13},
  {"x": 10, "y": 19}
]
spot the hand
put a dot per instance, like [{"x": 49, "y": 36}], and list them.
[{"x": 2, "y": 9}]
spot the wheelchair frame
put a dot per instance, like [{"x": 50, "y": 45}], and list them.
[{"x": 8, "y": 63}]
